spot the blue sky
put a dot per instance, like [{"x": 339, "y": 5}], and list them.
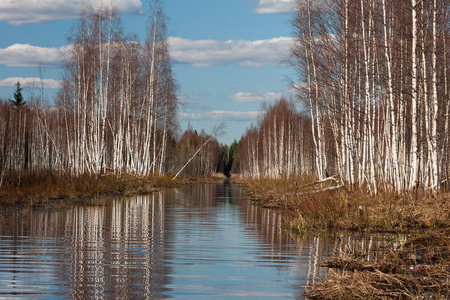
[{"x": 227, "y": 54}]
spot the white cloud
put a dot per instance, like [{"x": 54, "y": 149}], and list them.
[
  {"x": 256, "y": 97},
  {"x": 275, "y": 6},
  {"x": 221, "y": 115},
  {"x": 19, "y": 12},
  {"x": 202, "y": 53},
  {"x": 25, "y": 55},
  {"x": 31, "y": 82}
]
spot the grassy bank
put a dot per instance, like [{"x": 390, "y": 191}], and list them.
[
  {"x": 309, "y": 210},
  {"x": 43, "y": 190},
  {"x": 419, "y": 269}
]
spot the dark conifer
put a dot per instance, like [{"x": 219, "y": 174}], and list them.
[{"x": 18, "y": 98}]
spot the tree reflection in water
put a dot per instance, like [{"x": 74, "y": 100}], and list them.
[{"x": 206, "y": 240}]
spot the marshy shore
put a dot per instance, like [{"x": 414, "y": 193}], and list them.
[
  {"x": 418, "y": 268},
  {"x": 33, "y": 190}
]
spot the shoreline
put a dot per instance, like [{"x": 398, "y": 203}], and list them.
[
  {"x": 419, "y": 268},
  {"x": 45, "y": 191},
  {"x": 310, "y": 208}
]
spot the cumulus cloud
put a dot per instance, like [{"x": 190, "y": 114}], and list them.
[
  {"x": 275, "y": 6},
  {"x": 200, "y": 53},
  {"x": 256, "y": 97},
  {"x": 19, "y": 12},
  {"x": 25, "y": 55},
  {"x": 221, "y": 115},
  {"x": 31, "y": 82},
  {"x": 203, "y": 53}
]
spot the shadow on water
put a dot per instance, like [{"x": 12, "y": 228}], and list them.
[{"x": 206, "y": 240}]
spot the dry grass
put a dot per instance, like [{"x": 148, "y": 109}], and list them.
[
  {"x": 419, "y": 270},
  {"x": 41, "y": 189},
  {"x": 309, "y": 211},
  {"x": 215, "y": 177},
  {"x": 37, "y": 190}
]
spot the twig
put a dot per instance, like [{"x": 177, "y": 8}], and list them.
[
  {"x": 331, "y": 178},
  {"x": 332, "y": 188}
]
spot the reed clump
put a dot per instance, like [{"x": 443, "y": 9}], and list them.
[
  {"x": 312, "y": 207},
  {"x": 419, "y": 269}
]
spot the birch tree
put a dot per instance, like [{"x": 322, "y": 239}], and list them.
[{"x": 378, "y": 67}]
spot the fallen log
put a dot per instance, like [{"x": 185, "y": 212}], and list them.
[
  {"x": 331, "y": 188},
  {"x": 331, "y": 178}
]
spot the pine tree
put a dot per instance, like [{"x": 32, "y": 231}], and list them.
[{"x": 18, "y": 99}]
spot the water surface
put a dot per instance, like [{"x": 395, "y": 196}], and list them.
[{"x": 205, "y": 241}]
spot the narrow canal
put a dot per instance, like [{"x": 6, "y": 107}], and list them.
[{"x": 205, "y": 241}]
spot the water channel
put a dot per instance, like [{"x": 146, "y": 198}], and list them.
[{"x": 192, "y": 242}]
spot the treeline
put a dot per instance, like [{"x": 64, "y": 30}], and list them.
[
  {"x": 209, "y": 159},
  {"x": 115, "y": 112},
  {"x": 279, "y": 145},
  {"x": 374, "y": 77}
]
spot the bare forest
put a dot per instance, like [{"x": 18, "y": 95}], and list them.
[
  {"x": 373, "y": 82},
  {"x": 115, "y": 111},
  {"x": 373, "y": 103}
]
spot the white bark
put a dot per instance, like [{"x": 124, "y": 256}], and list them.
[
  {"x": 415, "y": 147},
  {"x": 391, "y": 123},
  {"x": 435, "y": 107}
]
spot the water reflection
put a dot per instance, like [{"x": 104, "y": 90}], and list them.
[
  {"x": 117, "y": 250},
  {"x": 188, "y": 242}
]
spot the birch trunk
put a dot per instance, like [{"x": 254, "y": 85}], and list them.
[
  {"x": 435, "y": 108},
  {"x": 415, "y": 147},
  {"x": 391, "y": 123}
]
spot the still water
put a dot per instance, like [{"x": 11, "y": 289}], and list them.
[{"x": 192, "y": 242}]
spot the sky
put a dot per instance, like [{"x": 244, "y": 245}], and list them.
[{"x": 227, "y": 54}]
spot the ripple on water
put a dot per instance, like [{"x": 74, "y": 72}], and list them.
[{"x": 203, "y": 241}]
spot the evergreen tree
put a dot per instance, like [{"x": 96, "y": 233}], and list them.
[
  {"x": 18, "y": 99},
  {"x": 230, "y": 154}
]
